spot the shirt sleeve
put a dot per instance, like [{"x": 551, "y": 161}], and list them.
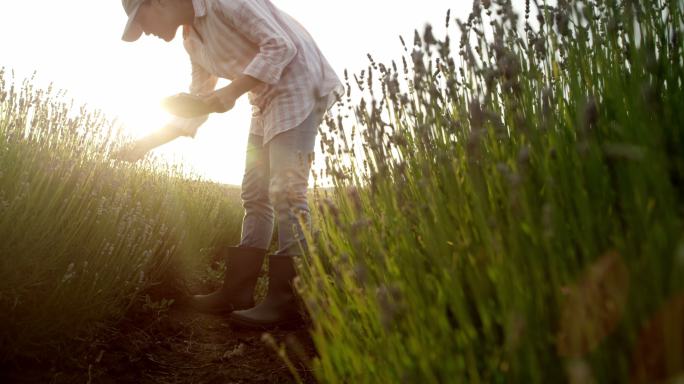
[
  {"x": 256, "y": 22},
  {"x": 202, "y": 83}
]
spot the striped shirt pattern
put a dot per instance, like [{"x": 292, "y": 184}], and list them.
[{"x": 234, "y": 37}]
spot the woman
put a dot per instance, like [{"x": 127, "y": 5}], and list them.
[{"x": 265, "y": 53}]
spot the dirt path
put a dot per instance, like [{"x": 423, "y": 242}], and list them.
[
  {"x": 180, "y": 346},
  {"x": 187, "y": 347}
]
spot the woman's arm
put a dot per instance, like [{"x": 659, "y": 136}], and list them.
[
  {"x": 139, "y": 148},
  {"x": 276, "y": 50},
  {"x": 223, "y": 100},
  {"x": 202, "y": 83}
]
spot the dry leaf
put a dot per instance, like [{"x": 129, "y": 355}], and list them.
[
  {"x": 659, "y": 352},
  {"x": 593, "y": 306}
]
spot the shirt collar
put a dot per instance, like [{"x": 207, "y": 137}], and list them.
[{"x": 200, "y": 7}]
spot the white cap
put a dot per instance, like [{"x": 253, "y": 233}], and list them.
[{"x": 133, "y": 30}]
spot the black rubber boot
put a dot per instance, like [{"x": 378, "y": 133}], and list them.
[
  {"x": 280, "y": 306},
  {"x": 243, "y": 265}
]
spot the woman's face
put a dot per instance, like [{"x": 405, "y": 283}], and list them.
[{"x": 159, "y": 18}]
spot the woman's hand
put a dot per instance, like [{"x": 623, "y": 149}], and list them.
[{"x": 219, "y": 101}]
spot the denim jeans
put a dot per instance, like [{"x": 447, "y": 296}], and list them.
[{"x": 275, "y": 180}]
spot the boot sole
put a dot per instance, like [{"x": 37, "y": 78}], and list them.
[
  {"x": 285, "y": 324},
  {"x": 222, "y": 312},
  {"x": 188, "y": 304}
]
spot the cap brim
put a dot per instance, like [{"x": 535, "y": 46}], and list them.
[{"x": 133, "y": 30}]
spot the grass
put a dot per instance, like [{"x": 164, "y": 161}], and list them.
[{"x": 509, "y": 210}]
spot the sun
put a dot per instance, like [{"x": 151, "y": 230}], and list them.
[{"x": 141, "y": 119}]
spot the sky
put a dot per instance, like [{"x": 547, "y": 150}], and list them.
[{"x": 76, "y": 45}]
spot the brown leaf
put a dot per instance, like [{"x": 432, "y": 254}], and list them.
[
  {"x": 659, "y": 351},
  {"x": 593, "y": 306}
]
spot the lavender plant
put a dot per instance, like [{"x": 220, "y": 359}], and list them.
[
  {"x": 507, "y": 203},
  {"x": 83, "y": 238}
]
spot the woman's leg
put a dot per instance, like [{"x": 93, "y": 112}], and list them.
[
  {"x": 245, "y": 260},
  {"x": 291, "y": 155},
  {"x": 257, "y": 224}
]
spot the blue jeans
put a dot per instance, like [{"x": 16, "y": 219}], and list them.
[{"x": 276, "y": 179}]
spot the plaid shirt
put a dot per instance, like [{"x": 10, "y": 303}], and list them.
[{"x": 233, "y": 37}]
